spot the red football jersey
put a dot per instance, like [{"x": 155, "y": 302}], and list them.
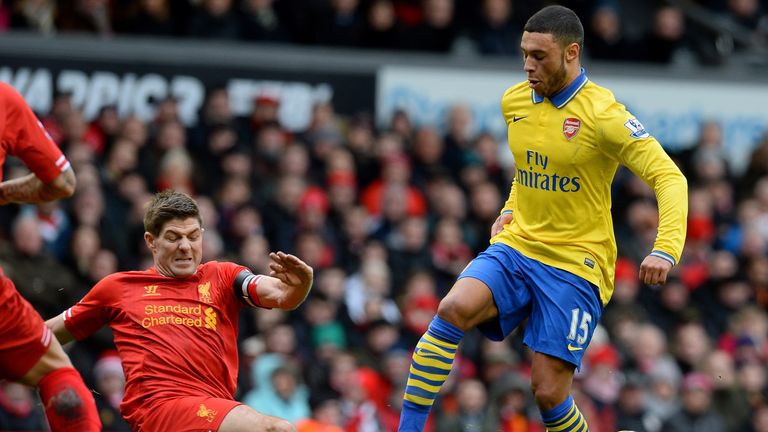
[
  {"x": 175, "y": 337},
  {"x": 22, "y": 135}
]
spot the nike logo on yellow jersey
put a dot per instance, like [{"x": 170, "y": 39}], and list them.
[{"x": 516, "y": 119}]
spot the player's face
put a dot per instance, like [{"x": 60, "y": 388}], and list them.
[
  {"x": 178, "y": 249},
  {"x": 544, "y": 62}
]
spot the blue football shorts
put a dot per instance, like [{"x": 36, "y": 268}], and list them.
[{"x": 562, "y": 309}]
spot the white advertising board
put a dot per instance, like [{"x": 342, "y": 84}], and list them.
[{"x": 671, "y": 109}]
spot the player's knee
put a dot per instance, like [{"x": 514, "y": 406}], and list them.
[
  {"x": 67, "y": 403},
  {"x": 451, "y": 310},
  {"x": 546, "y": 395},
  {"x": 55, "y": 358}
]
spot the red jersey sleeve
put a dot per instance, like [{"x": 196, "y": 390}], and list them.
[
  {"x": 94, "y": 310},
  {"x": 25, "y": 138}
]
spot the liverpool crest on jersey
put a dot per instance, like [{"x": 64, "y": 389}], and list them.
[
  {"x": 204, "y": 290},
  {"x": 571, "y": 127}
]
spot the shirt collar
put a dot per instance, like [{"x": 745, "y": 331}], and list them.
[{"x": 565, "y": 95}]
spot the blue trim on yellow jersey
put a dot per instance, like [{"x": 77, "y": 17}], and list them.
[
  {"x": 565, "y": 95},
  {"x": 665, "y": 256},
  {"x": 536, "y": 98}
]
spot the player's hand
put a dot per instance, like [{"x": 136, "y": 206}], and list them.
[
  {"x": 290, "y": 270},
  {"x": 502, "y": 220},
  {"x": 654, "y": 270}
]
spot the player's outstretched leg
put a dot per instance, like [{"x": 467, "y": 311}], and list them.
[
  {"x": 243, "y": 418},
  {"x": 431, "y": 363},
  {"x": 69, "y": 405},
  {"x": 468, "y": 304},
  {"x": 551, "y": 383}
]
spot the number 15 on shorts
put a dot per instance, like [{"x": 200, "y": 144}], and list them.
[{"x": 579, "y": 332}]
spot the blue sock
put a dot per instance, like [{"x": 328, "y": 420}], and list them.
[
  {"x": 432, "y": 361},
  {"x": 565, "y": 417}
]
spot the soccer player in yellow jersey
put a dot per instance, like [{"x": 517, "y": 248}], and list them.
[{"x": 553, "y": 252}]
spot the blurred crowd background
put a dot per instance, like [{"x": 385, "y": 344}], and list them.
[
  {"x": 629, "y": 30},
  {"x": 388, "y": 215}
]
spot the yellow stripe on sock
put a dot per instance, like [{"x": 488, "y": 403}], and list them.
[
  {"x": 438, "y": 342},
  {"x": 580, "y": 425},
  {"x": 422, "y": 385},
  {"x": 567, "y": 424},
  {"x": 436, "y": 349},
  {"x": 562, "y": 419},
  {"x": 418, "y": 399},
  {"x": 429, "y": 376},
  {"x": 426, "y": 361},
  {"x": 583, "y": 426}
]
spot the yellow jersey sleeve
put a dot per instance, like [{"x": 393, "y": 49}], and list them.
[
  {"x": 509, "y": 205},
  {"x": 624, "y": 139}
]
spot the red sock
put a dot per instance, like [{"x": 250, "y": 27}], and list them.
[{"x": 68, "y": 403}]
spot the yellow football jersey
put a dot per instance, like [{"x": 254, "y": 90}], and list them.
[{"x": 566, "y": 150}]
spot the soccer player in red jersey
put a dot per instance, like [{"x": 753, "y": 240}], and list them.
[
  {"x": 29, "y": 353},
  {"x": 175, "y": 324}
]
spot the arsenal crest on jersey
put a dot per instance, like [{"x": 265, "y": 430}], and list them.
[{"x": 571, "y": 127}]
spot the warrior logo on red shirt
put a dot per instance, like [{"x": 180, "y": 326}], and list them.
[
  {"x": 150, "y": 291},
  {"x": 571, "y": 127}
]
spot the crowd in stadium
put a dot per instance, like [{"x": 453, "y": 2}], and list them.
[
  {"x": 630, "y": 31},
  {"x": 388, "y": 216}
]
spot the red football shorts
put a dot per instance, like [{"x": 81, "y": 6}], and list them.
[
  {"x": 184, "y": 414},
  {"x": 24, "y": 337}
]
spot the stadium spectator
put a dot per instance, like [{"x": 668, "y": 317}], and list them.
[
  {"x": 151, "y": 18},
  {"x": 496, "y": 29},
  {"x": 338, "y": 23},
  {"x": 110, "y": 388},
  {"x": 604, "y": 38},
  {"x": 748, "y": 15},
  {"x": 382, "y": 29},
  {"x": 279, "y": 393},
  {"x": 631, "y": 413},
  {"x": 34, "y": 15},
  {"x": 91, "y": 16},
  {"x": 666, "y": 38},
  {"x": 472, "y": 409},
  {"x": 436, "y": 30},
  {"x": 696, "y": 412},
  {"x": 39, "y": 276},
  {"x": 18, "y": 410},
  {"x": 214, "y": 19},
  {"x": 326, "y": 416},
  {"x": 260, "y": 21}
]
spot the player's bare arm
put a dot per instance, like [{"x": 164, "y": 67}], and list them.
[
  {"x": 288, "y": 284},
  {"x": 56, "y": 324},
  {"x": 30, "y": 189}
]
